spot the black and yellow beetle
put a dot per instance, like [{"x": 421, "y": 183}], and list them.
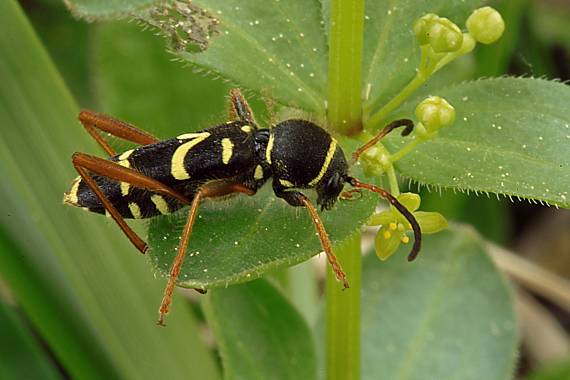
[{"x": 160, "y": 177}]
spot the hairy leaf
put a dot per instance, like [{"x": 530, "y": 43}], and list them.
[
  {"x": 261, "y": 336},
  {"x": 260, "y": 246},
  {"x": 275, "y": 48},
  {"x": 242, "y": 238},
  {"x": 510, "y": 137},
  {"x": 446, "y": 316}
]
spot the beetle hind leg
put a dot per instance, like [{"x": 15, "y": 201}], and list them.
[{"x": 93, "y": 121}]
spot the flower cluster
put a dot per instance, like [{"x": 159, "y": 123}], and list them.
[
  {"x": 442, "y": 41},
  {"x": 394, "y": 227}
]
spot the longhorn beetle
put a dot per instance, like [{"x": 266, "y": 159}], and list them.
[{"x": 160, "y": 177}]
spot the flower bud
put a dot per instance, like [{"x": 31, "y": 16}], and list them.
[
  {"x": 422, "y": 26},
  {"x": 445, "y": 36},
  {"x": 440, "y": 33},
  {"x": 486, "y": 25},
  {"x": 373, "y": 162},
  {"x": 435, "y": 113}
]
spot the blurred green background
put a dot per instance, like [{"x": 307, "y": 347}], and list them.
[{"x": 100, "y": 64}]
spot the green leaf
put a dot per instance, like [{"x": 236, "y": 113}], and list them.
[
  {"x": 275, "y": 48},
  {"x": 90, "y": 296},
  {"x": 260, "y": 334},
  {"x": 448, "y": 315},
  {"x": 391, "y": 52},
  {"x": 21, "y": 356},
  {"x": 243, "y": 238},
  {"x": 510, "y": 137},
  {"x": 183, "y": 108}
]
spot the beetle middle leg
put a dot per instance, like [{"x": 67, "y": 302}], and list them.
[{"x": 208, "y": 191}]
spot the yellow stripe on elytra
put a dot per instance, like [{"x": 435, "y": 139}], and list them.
[
  {"x": 177, "y": 169},
  {"x": 269, "y": 148},
  {"x": 135, "y": 210},
  {"x": 71, "y": 197},
  {"x": 193, "y": 135},
  {"x": 246, "y": 128},
  {"x": 126, "y": 154},
  {"x": 328, "y": 159},
  {"x": 286, "y": 183},
  {"x": 227, "y": 150},
  {"x": 258, "y": 174},
  {"x": 124, "y": 162},
  {"x": 160, "y": 204}
]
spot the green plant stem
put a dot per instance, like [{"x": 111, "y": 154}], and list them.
[
  {"x": 406, "y": 149},
  {"x": 344, "y": 115},
  {"x": 343, "y": 315},
  {"x": 410, "y": 88},
  {"x": 345, "y": 66},
  {"x": 393, "y": 180}
]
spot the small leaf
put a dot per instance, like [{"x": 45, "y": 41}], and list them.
[
  {"x": 260, "y": 334},
  {"x": 391, "y": 51},
  {"x": 510, "y": 137},
  {"x": 448, "y": 315}
]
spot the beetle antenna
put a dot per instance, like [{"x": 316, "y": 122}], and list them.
[
  {"x": 400, "y": 207},
  {"x": 387, "y": 129}
]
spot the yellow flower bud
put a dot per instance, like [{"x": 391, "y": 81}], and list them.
[
  {"x": 422, "y": 26},
  {"x": 486, "y": 25},
  {"x": 435, "y": 113},
  {"x": 445, "y": 36}
]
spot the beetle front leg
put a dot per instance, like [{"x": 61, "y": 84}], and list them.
[{"x": 298, "y": 199}]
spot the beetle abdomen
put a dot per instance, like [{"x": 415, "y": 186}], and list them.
[{"x": 183, "y": 163}]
